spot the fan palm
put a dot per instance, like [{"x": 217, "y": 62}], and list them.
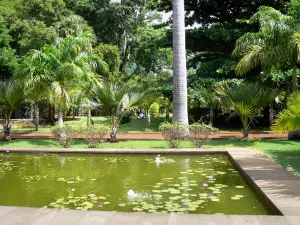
[
  {"x": 246, "y": 101},
  {"x": 289, "y": 119},
  {"x": 277, "y": 43},
  {"x": 11, "y": 95},
  {"x": 117, "y": 99}
]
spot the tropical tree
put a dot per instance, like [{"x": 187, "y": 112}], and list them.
[
  {"x": 289, "y": 119},
  {"x": 116, "y": 100},
  {"x": 180, "y": 104},
  {"x": 67, "y": 66},
  {"x": 11, "y": 95},
  {"x": 275, "y": 45},
  {"x": 246, "y": 101}
]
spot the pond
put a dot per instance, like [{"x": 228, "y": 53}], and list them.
[{"x": 197, "y": 184}]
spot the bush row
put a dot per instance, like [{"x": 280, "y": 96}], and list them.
[
  {"x": 197, "y": 133},
  {"x": 93, "y": 134},
  {"x": 174, "y": 134}
]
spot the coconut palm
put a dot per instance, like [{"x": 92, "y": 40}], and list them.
[
  {"x": 11, "y": 95},
  {"x": 180, "y": 104},
  {"x": 67, "y": 66},
  {"x": 289, "y": 119},
  {"x": 33, "y": 77},
  {"x": 246, "y": 101},
  {"x": 116, "y": 100},
  {"x": 277, "y": 43}
]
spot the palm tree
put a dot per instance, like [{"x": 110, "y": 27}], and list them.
[
  {"x": 67, "y": 66},
  {"x": 115, "y": 100},
  {"x": 180, "y": 104},
  {"x": 289, "y": 119},
  {"x": 277, "y": 43},
  {"x": 246, "y": 101},
  {"x": 33, "y": 77},
  {"x": 11, "y": 95}
]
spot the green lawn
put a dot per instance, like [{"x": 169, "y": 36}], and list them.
[
  {"x": 135, "y": 125},
  {"x": 285, "y": 152}
]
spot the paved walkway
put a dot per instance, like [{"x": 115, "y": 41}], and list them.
[
  {"x": 34, "y": 216},
  {"x": 279, "y": 188},
  {"x": 158, "y": 136}
]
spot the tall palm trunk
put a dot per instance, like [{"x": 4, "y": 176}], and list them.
[
  {"x": 180, "y": 111},
  {"x": 271, "y": 115},
  {"x": 32, "y": 112},
  {"x": 89, "y": 116},
  {"x": 148, "y": 119},
  {"x": 37, "y": 116},
  {"x": 61, "y": 118}
]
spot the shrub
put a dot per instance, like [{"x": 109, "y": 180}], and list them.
[
  {"x": 125, "y": 119},
  {"x": 199, "y": 133},
  {"x": 66, "y": 134},
  {"x": 95, "y": 135},
  {"x": 174, "y": 133},
  {"x": 154, "y": 109}
]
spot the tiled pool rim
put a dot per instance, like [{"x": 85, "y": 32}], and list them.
[{"x": 280, "y": 187}]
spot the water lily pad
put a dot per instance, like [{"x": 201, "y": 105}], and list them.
[
  {"x": 235, "y": 198},
  {"x": 137, "y": 209},
  {"x": 152, "y": 210},
  {"x": 239, "y": 187},
  {"x": 215, "y": 200},
  {"x": 121, "y": 205},
  {"x": 106, "y": 203}
]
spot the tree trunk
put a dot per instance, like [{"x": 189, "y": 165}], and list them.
[
  {"x": 211, "y": 115},
  {"x": 148, "y": 119},
  {"x": 7, "y": 126},
  {"x": 37, "y": 116},
  {"x": 89, "y": 116},
  {"x": 295, "y": 79},
  {"x": 180, "y": 111},
  {"x": 31, "y": 112},
  {"x": 60, "y": 118},
  {"x": 271, "y": 115},
  {"x": 113, "y": 135},
  {"x": 246, "y": 133}
]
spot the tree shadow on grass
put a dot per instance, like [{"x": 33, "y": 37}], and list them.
[{"x": 229, "y": 143}]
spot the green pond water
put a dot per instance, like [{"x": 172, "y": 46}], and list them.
[{"x": 202, "y": 184}]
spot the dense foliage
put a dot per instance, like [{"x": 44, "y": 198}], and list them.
[{"x": 72, "y": 54}]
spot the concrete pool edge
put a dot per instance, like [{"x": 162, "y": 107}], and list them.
[{"x": 277, "y": 184}]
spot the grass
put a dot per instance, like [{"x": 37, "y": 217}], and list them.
[
  {"x": 135, "y": 125},
  {"x": 285, "y": 152}
]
